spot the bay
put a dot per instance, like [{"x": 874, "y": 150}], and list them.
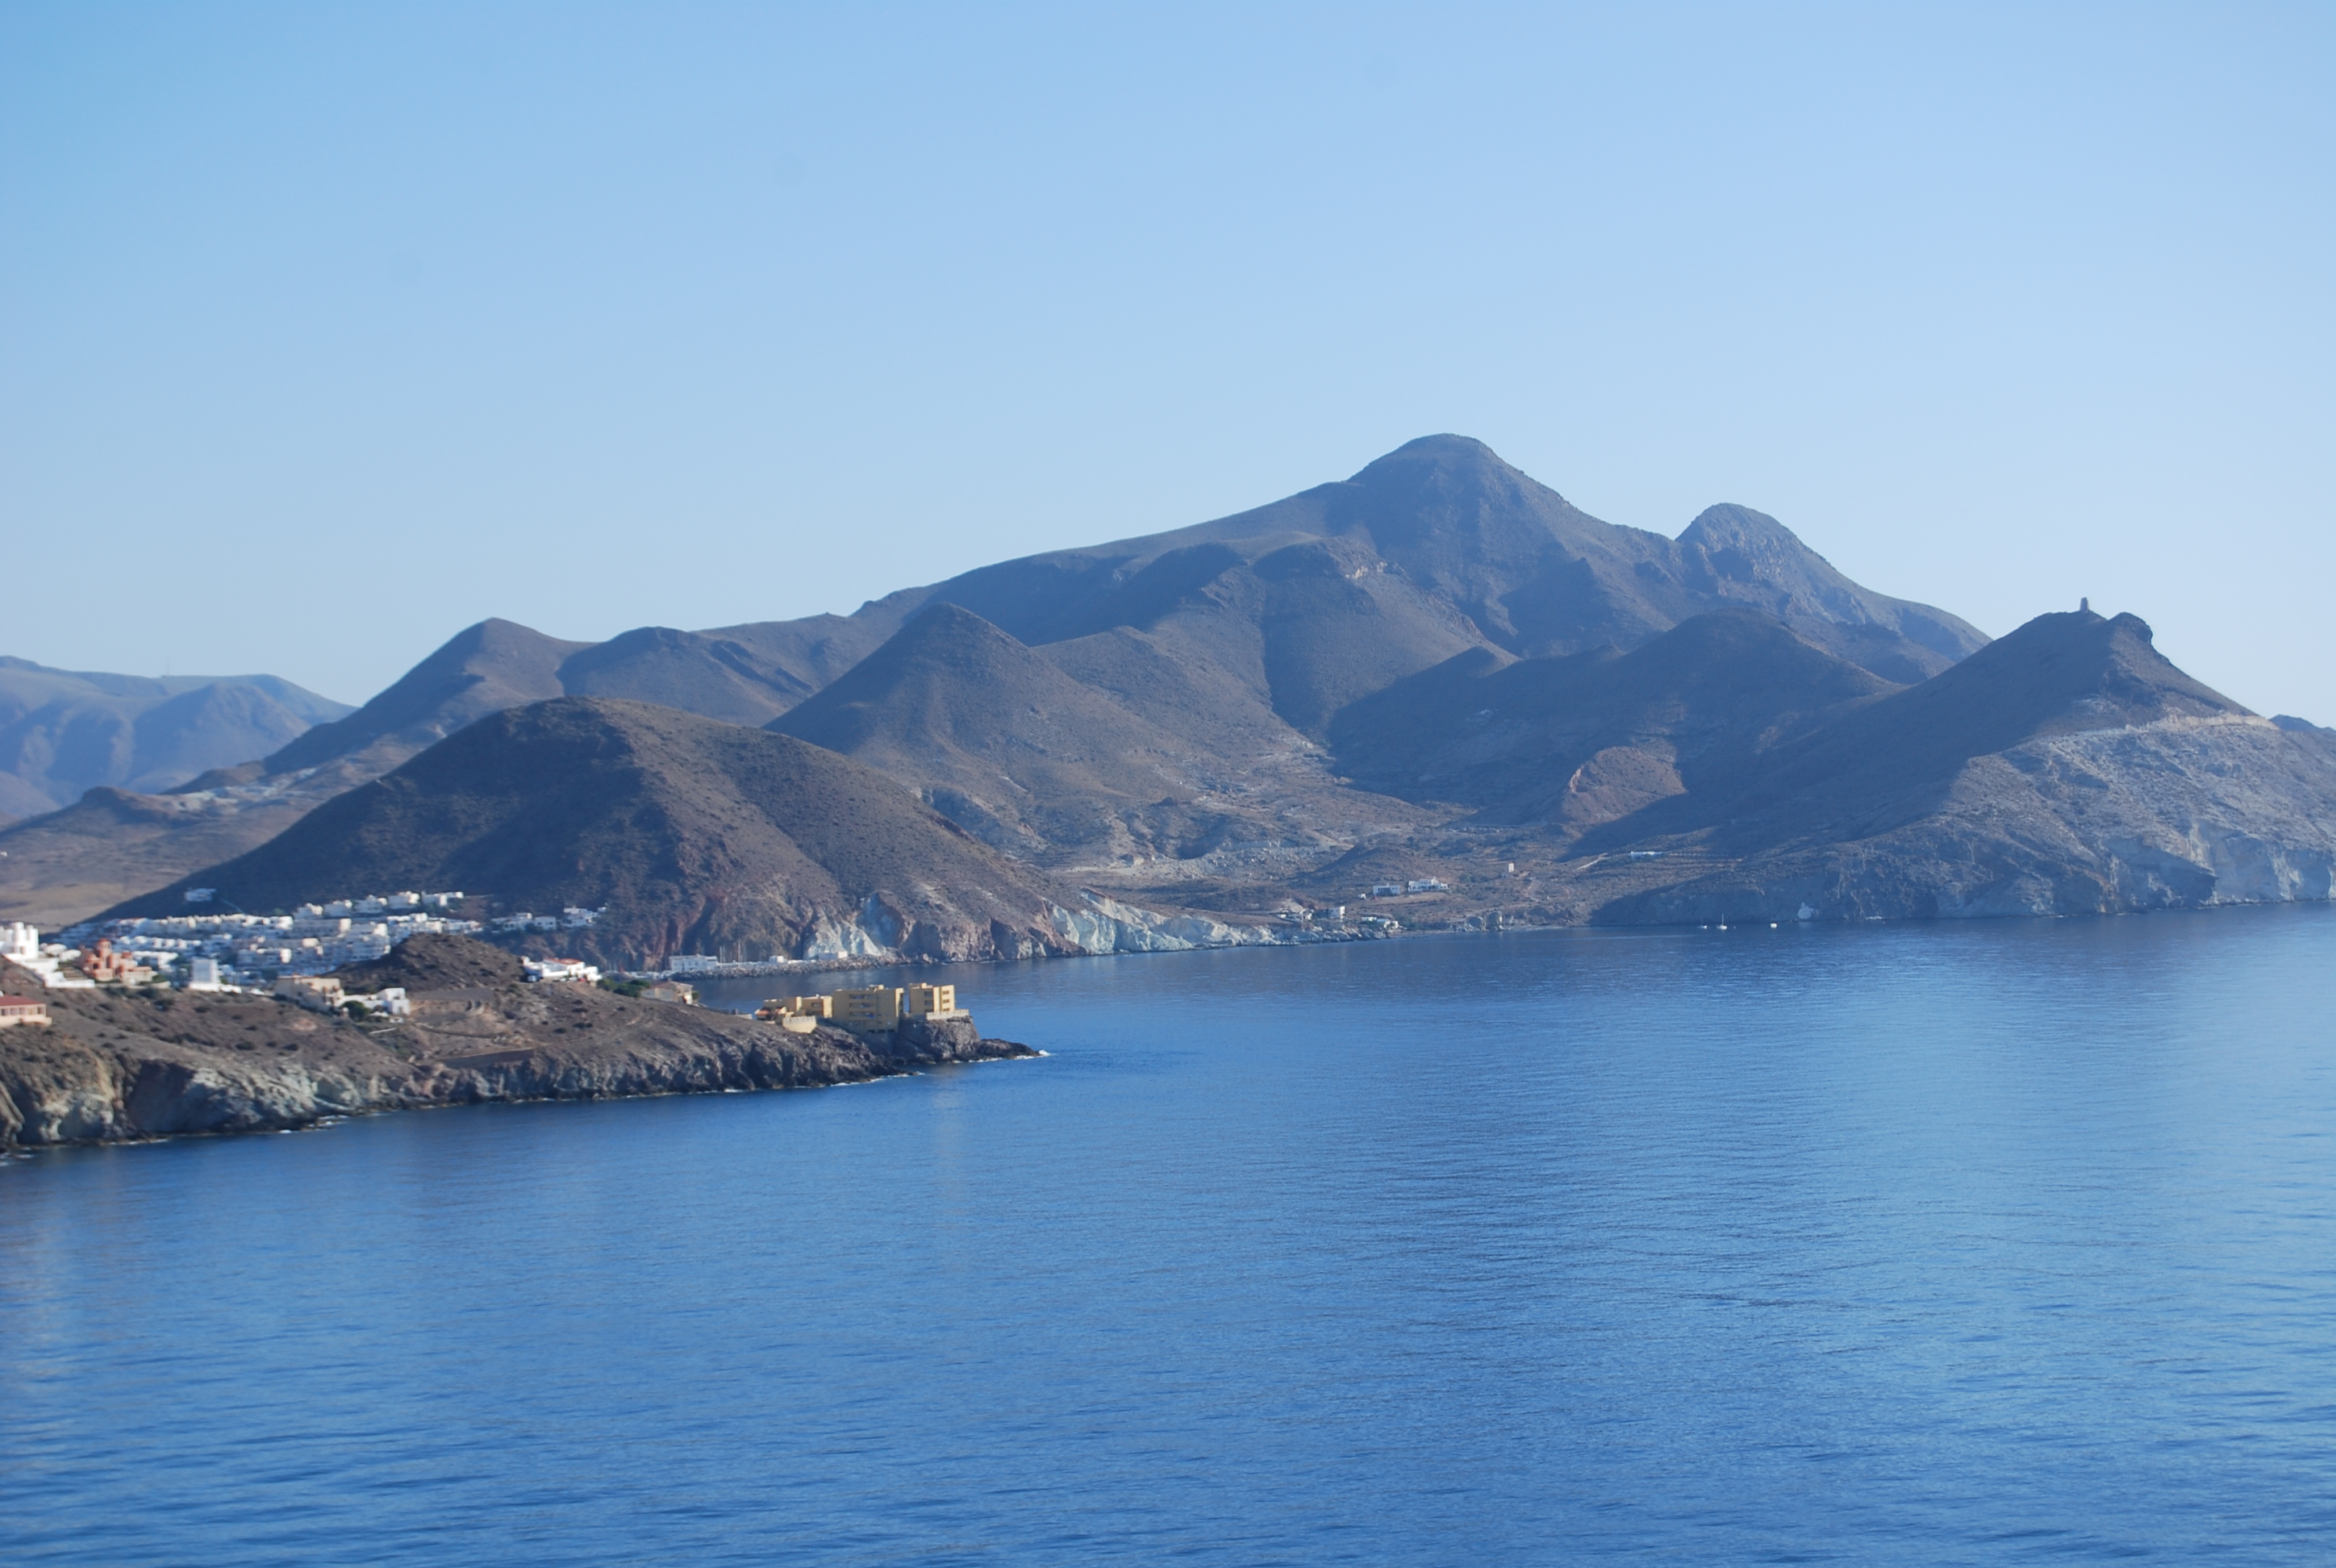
[{"x": 1984, "y": 1242}]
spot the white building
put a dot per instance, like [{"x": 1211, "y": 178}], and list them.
[{"x": 19, "y": 944}]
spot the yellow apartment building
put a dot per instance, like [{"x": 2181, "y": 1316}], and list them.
[{"x": 875, "y": 1007}]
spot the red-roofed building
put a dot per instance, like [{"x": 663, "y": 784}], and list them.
[{"x": 15, "y": 1011}]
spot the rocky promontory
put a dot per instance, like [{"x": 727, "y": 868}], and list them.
[{"x": 117, "y": 1065}]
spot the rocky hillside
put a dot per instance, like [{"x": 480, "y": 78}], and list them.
[
  {"x": 2070, "y": 769},
  {"x": 1438, "y": 671},
  {"x": 62, "y": 732},
  {"x": 1331, "y": 595},
  {"x": 1729, "y": 770},
  {"x": 1085, "y": 756},
  {"x": 1237, "y": 639},
  {"x": 114, "y": 843},
  {"x": 1575, "y": 742},
  {"x": 115, "y": 1067},
  {"x": 698, "y": 836}
]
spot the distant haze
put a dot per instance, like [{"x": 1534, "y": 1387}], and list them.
[{"x": 324, "y": 332}]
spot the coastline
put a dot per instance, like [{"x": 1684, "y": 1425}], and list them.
[{"x": 129, "y": 1067}]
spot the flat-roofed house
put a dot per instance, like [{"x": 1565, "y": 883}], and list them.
[
  {"x": 321, "y": 993},
  {"x": 930, "y": 1002},
  {"x": 875, "y": 1009}
]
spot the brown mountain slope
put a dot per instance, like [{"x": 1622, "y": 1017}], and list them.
[
  {"x": 65, "y": 731},
  {"x": 1572, "y": 741},
  {"x": 112, "y": 844},
  {"x": 997, "y": 738},
  {"x": 1487, "y": 546},
  {"x": 1012, "y": 744},
  {"x": 698, "y": 836},
  {"x": 483, "y": 670},
  {"x": 1240, "y": 637},
  {"x": 2068, "y": 768}
]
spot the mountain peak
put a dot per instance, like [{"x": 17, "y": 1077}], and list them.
[
  {"x": 483, "y": 668},
  {"x": 1440, "y": 470},
  {"x": 944, "y": 622},
  {"x": 2069, "y": 670},
  {"x": 697, "y": 835},
  {"x": 1444, "y": 450},
  {"x": 1716, "y": 527}
]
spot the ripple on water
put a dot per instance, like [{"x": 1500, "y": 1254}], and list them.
[{"x": 1997, "y": 1242}]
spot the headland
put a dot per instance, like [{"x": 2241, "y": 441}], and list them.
[{"x": 441, "y": 1020}]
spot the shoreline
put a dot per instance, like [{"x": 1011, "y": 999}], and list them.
[{"x": 124, "y": 1066}]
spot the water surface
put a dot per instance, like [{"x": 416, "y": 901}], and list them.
[{"x": 1988, "y": 1242}]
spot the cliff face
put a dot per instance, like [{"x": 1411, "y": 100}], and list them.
[{"x": 114, "y": 1069}]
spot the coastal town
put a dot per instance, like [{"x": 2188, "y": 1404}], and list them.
[
  {"x": 290, "y": 955},
  {"x": 215, "y": 948}
]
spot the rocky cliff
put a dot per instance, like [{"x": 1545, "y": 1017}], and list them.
[{"x": 119, "y": 1068}]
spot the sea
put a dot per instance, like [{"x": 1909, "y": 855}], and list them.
[{"x": 1974, "y": 1243}]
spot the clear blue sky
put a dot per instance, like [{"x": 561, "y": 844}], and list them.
[{"x": 325, "y": 330}]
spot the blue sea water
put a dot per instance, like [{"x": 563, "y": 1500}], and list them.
[{"x": 1991, "y": 1242}]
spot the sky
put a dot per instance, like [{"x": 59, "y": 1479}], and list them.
[{"x": 326, "y": 330}]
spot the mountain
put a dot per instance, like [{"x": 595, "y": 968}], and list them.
[
  {"x": 112, "y": 844},
  {"x": 1232, "y": 644},
  {"x": 1579, "y": 740},
  {"x": 483, "y": 670},
  {"x": 1326, "y": 596},
  {"x": 2066, "y": 768},
  {"x": 1055, "y": 755},
  {"x": 1219, "y": 654},
  {"x": 697, "y": 835},
  {"x": 995, "y": 736},
  {"x": 1438, "y": 671},
  {"x": 699, "y": 672},
  {"x": 62, "y": 732}
]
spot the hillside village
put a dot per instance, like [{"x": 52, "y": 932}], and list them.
[
  {"x": 229, "y": 949},
  {"x": 291, "y": 956}
]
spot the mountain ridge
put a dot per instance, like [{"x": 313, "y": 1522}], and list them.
[
  {"x": 62, "y": 732},
  {"x": 1391, "y": 676},
  {"x": 1238, "y": 639},
  {"x": 699, "y": 835}
]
